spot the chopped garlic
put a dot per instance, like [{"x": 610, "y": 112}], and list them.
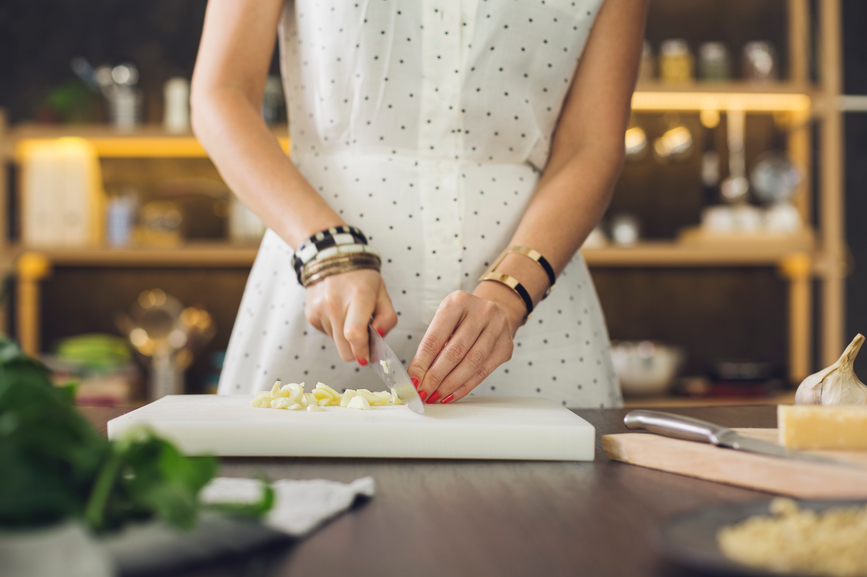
[
  {"x": 292, "y": 397},
  {"x": 384, "y": 364},
  {"x": 360, "y": 403}
]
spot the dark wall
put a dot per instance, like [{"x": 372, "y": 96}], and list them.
[
  {"x": 38, "y": 39},
  {"x": 855, "y": 126}
]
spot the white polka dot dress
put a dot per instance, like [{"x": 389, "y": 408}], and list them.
[{"x": 426, "y": 123}]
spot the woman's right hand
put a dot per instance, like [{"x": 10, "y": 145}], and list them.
[{"x": 341, "y": 306}]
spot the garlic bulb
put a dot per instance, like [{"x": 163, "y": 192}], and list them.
[{"x": 837, "y": 384}]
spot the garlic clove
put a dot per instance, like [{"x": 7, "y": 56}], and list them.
[{"x": 837, "y": 384}]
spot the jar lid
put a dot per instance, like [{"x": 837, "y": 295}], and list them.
[
  {"x": 674, "y": 47},
  {"x": 713, "y": 51}
]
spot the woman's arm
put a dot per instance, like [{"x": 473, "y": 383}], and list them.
[
  {"x": 226, "y": 99},
  {"x": 472, "y": 334},
  {"x": 228, "y": 84}
]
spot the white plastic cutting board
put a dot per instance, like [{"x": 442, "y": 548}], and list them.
[{"x": 474, "y": 428}]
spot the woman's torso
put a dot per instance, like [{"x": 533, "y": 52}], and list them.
[{"x": 426, "y": 124}]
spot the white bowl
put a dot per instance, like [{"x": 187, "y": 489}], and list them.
[{"x": 646, "y": 367}]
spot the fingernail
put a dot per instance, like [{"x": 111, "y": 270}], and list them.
[
  {"x": 449, "y": 399},
  {"x": 422, "y": 394},
  {"x": 381, "y": 332},
  {"x": 433, "y": 398},
  {"x": 362, "y": 362},
  {"x": 414, "y": 382}
]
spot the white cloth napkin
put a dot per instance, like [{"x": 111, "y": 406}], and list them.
[{"x": 299, "y": 506}]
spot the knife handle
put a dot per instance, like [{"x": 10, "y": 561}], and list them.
[{"x": 676, "y": 426}]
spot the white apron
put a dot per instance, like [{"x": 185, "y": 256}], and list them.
[{"x": 426, "y": 123}]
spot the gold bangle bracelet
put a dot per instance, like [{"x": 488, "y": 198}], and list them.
[
  {"x": 533, "y": 255},
  {"x": 314, "y": 266},
  {"x": 313, "y": 279},
  {"x": 341, "y": 259},
  {"x": 321, "y": 273},
  {"x": 513, "y": 284}
]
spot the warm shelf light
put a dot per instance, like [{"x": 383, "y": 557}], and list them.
[
  {"x": 145, "y": 146},
  {"x": 698, "y": 101}
]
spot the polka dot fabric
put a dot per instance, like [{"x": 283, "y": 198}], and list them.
[{"x": 426, "y": 124}]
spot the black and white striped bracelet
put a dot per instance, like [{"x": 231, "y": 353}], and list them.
[{"x": 329, "y": 238}]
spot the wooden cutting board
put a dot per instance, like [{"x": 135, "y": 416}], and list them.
[
  {"x": 474, "y": 428},
  {"x": 792, "y": 477}
]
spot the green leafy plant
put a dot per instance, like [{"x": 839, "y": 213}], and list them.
[{"x": 54, "y": 466}]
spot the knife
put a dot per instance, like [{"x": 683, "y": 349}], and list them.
[
  {"x": 690, "y": 429},
  {"x": 388, "y": 367}
]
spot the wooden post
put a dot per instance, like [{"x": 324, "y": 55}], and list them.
[
  {"x": 5, "y": 265},
  {"x": 797, "y": 268},
  {"x": 32, "y": 268},
  {"x": 831, "y": 185}
]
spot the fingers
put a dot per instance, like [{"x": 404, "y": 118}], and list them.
[
  {"x": 502, "y": 352},
  {"x": 444, "y": 323},
  {"x": 384, "y": 317},
  {"x": 355, "y": 328},
  {"x": 477, "y": 359}
]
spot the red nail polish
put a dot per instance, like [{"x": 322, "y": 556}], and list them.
[
  {"x": 433, "y": 398},
  {"x": 414, "y": 382},
  {"x": 449, "y": 399},
  {"x": 362, "y": 362},
  {"x": 422, "y": 394},
  {"x": 381, "y": 332}
]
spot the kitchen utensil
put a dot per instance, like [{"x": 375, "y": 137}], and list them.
[
  {"x": 159, "y": 327},
  {"x": 690, "y": 539},
  {"x": 388, "y": 367},
  {"x": 793, "y": 477},
  {"x": 645, "y": 367},
  {"x": 690, "y": 429},
  {"x": 474, "y": 428},
  {"x": 675, "y": 143},
  {"x": 735, "y": 187}
]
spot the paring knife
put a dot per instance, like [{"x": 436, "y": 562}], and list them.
[
  {"x": 388, "y": 367},
  {"x": 689, "y": 429}
]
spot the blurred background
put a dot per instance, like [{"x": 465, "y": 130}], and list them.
[{"x": 727, "y": 264}]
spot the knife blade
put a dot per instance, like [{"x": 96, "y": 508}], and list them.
[
  {"x": 388, "y": 367},
  {"x": 690, "y": 429}
]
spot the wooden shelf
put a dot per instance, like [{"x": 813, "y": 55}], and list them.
[
  {"x": 202, "y": 255},
  {"x": 786, "y": 397},
  {"x": 672, "y": 254},
  {"x": 219, "y": 254},
  {"x": 142, "y": 142},
  {"x": 722, "y": 96}
]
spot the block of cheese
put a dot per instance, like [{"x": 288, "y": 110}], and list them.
[{"x": 823, "y": 426}]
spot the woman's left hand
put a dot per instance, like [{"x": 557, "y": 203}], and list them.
[{"x": 470, "y": 336}]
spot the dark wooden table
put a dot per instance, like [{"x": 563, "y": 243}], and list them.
[{"x": 490, "y": 518}]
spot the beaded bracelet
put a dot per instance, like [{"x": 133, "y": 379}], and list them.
[{"x": 335, "y": 236}]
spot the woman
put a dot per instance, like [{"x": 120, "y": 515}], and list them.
[{"x": 446, "y": 131}]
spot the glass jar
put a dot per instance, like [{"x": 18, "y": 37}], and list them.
[
  {"x": 760, "y": 62},
  {"x": 676, "y": 63},
  {"x": 646, "y": 69},
  {"x": 714, "y": 64}
]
